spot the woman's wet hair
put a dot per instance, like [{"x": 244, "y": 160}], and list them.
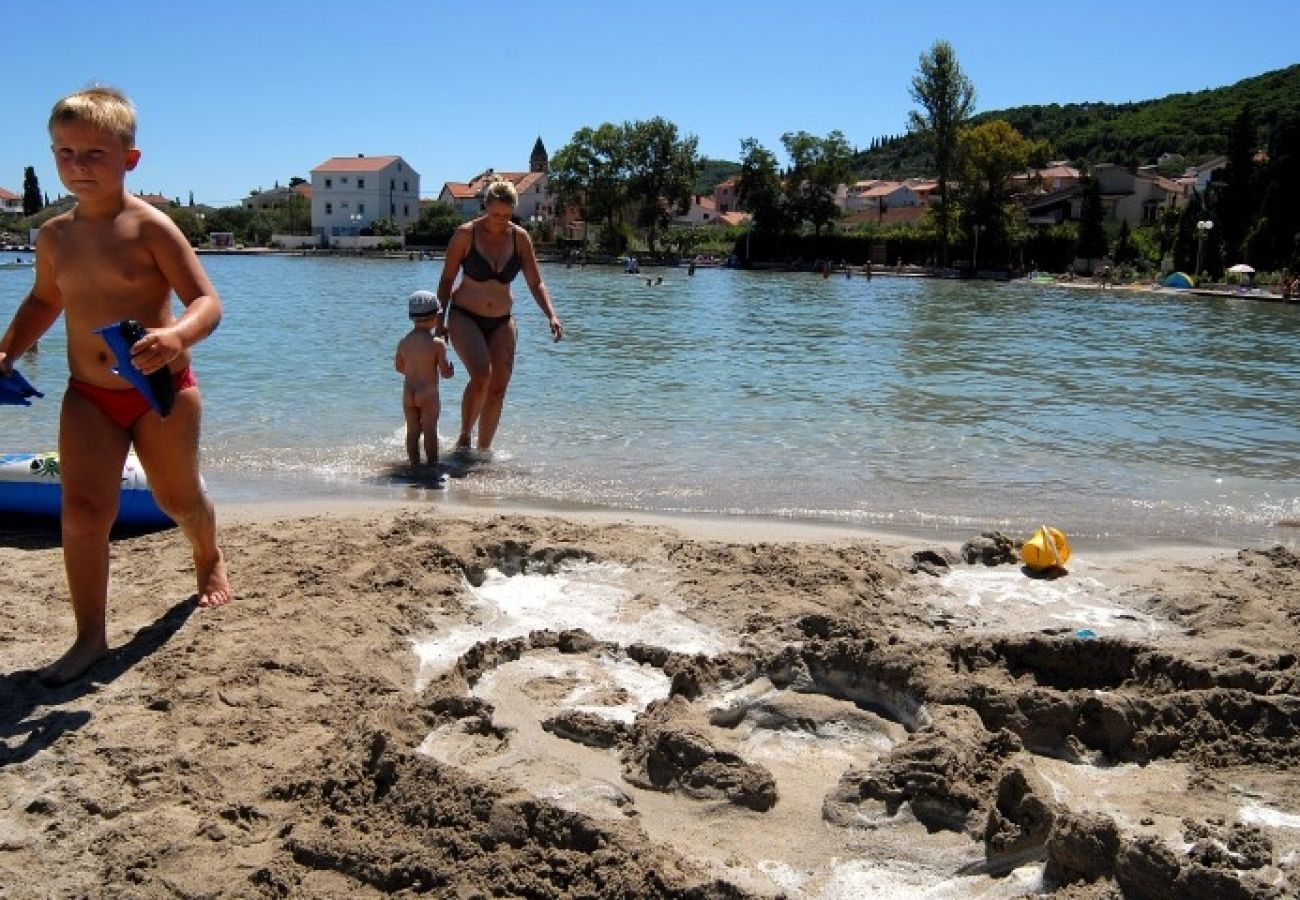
[{"x": 501, "y": 191}]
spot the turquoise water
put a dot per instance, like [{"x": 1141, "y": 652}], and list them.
[{"x": 900, "y": 404}]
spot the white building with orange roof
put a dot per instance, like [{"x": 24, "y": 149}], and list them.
[
  {"x": 348, "y": 193},
  {"x": 536, "y": 204},
  {"x": 11, "y": 205}
]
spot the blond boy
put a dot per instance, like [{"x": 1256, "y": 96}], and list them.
[
  {"x": 422, "y": 358},
  {"x": 115, "y": 257}
]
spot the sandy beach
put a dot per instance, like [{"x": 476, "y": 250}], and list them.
[{"x": 469, "y": 704}]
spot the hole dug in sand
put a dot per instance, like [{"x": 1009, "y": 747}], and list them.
[
  {"x": 707, "y": 751},
  {"x": 846, "y": 763}
]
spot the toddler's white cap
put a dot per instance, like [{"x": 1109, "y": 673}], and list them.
[{"x": 421, "y": 304}]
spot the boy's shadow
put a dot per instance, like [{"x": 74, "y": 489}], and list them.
[{"x": 27, "y": 723}]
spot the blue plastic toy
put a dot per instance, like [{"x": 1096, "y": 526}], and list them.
[
  {"x": 156, "y": 388},
  {"x": 15, "y": 389}
]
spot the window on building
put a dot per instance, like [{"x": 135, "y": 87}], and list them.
[
  {"x": 361, "y": 209},
  {"x": 392, "y": 184},
  {"x": 392, "y": 210},
  {"x": 406, "y": 210},
  {"x": 329, "y": 182},
  {"x": 343, "y": 180},
  {"x": 361, "y": 184},
  {"x": 329, "y": 209},
  {"x": 406, "y": 186}
]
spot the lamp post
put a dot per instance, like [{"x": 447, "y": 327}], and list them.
[
  {"x": 1202, "y": 229},
  {"x": 975, "y": 254}
]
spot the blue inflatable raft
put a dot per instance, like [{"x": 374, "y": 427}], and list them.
[{"x": 30, "y": 484}]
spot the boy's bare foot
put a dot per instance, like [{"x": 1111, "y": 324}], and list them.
[
  {"x": 214, "y": 587},
  {"x": 73, "y": 664}
]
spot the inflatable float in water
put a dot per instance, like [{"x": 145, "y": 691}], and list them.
[{"x": 30, "y": 484}]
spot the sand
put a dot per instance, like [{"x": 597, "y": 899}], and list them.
[{"x": 468, "y": 704}]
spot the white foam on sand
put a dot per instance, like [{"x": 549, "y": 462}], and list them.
[
  {"x": 805, "y": 741},
  {"x": 1258, "y": 814},
  {"x": 855, "y": 879},
  {"x": 1005, "y": 599},
  {"x": 608, "y": 601}
]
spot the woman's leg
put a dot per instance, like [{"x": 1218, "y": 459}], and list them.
[
  {"x": 501, "y": 350},
  {"x": 472, "y": 348}
]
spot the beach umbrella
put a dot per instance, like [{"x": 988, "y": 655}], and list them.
[
  {"x": 1241, "y": 269},
  {"x": 1178, "y": 280}
]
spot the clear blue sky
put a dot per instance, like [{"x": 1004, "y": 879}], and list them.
[{"x": 237, "y": 95}]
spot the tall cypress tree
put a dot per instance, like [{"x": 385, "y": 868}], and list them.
[
  {"x": 1234, "y": 194},
  {"x": 31, "y": 193},
  {"x": 1092, "y": 236},
  {"x": 947, "y": 97}
]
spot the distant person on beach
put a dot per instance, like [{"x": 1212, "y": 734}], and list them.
[
  {"x": 422, "y": 358},
  {"x": 488, "y": 252},
  {"x": 114, "y": 257}
]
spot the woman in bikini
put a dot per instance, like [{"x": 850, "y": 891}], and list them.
[{"x": 489, "y": 252}]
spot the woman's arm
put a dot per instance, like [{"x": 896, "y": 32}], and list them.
[{"x": 537, "y": 287}]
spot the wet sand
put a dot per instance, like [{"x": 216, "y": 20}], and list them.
[{"x": 469, "y": 704}]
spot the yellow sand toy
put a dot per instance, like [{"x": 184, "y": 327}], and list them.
[{"x": 1047, "y": 549}]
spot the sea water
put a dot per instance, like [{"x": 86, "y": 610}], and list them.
[{"x": 899, "y": 404}]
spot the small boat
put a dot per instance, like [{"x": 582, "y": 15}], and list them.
[
  {"x": 18, "y": 264},
  {"x": 30, "y": 485}
]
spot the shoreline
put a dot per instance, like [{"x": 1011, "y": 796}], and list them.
[{"x": 719, "y": 528}]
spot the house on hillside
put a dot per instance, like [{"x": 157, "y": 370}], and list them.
[
  {"x": 877, "y": 197},
  {"x": 1197, "y": 178},
  {"x": 703, "y": 210},
  {"x": 11, "y": 205},
  {"x": 348, "y": 193},
  {"x": 1133, "y": 196},
  {"x": 1054, "y": 177},
  {"x": 726, "y": 197}
]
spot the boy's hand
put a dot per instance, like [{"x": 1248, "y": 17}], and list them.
[
  {"x": 5, "y": 365},
  {"x": 156, "y": 349}
]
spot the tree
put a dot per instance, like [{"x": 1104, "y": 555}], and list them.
[
  {"x": 31, "y": 193},
  {"x": 189, "y": 222},
  {"x": 661, "y": 171},
  {"x": 1234, "y": 186},
  {"x": 1092, "y": 213},
  {"x": 1125, "y": 250},
  {"x": 759, "y": 190},
  {"x": 988, "y": 155},
  {"x": 435, "y": 226},
  {"x": 1276, "y": 246},
  {"x": 683, "y": 240},
  {"x": 818, "y": 166},
  {"x": 947, "y": 98},
  {"x": 589, "y": 172}
]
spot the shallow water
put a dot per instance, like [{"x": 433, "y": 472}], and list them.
[{"x": 899, "y": 404}]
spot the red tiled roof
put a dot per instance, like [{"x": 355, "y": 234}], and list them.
[
  {"x": 460, "y": 190},
  {"x": 355, "y": 163},
  {"x": 7, "y": 195},
  {"x": 734, "y": 218}
]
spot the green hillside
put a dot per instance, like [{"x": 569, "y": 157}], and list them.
[{"x": 1193, "y": 125}]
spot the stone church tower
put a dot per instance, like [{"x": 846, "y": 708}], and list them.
[{"x": 538, "y": 160}]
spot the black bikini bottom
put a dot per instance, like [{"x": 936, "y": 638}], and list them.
[{"x": 486, "y": 324}]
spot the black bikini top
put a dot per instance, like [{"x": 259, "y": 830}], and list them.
[{"x": 475, "y": 265}]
